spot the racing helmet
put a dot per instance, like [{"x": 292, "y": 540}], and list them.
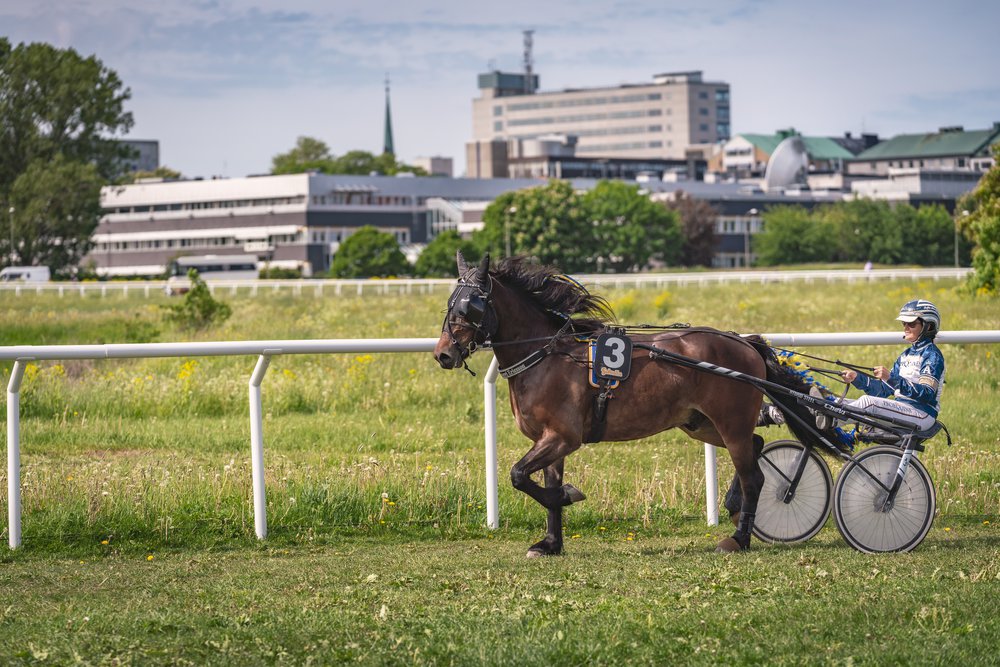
[{"x": 923, "y": 310}]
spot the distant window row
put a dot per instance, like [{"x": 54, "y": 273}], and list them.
[
  {"x": 202, "y": 205},
  {"x": 211, "y": 242},
  {"x": 579, "y": 102},
  {"x": 582, "y": 118},
  {"x": 629, "y": 146}
]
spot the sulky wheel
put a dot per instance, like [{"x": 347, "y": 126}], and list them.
[
  {"x": 864, "y": 518},
  {"x": 807, "y": 508}
]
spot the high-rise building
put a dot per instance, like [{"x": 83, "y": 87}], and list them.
[{"x": 660, "y": 119}]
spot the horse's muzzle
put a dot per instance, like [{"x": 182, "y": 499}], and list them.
[{"x": 447, "y": 354}]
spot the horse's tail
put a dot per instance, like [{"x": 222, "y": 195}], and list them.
[{"x": 786, "y": 377}]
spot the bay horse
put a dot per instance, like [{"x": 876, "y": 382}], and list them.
[{"x": 534, "y": 318}]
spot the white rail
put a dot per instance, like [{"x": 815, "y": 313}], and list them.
[
  {"x": 322, "y": 287},
  {"x": 265, "y": 350}
]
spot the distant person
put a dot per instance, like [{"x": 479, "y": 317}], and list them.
[
  {"x": 911, "y": 390},
  {"x": 868, "y": 265}
]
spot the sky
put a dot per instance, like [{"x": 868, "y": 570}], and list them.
[{"x": 226, "y": 85}]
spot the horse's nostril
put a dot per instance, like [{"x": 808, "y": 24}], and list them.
[{"x": 444, "y": 359}]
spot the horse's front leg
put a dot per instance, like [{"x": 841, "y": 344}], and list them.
[
  {"x": 552, "y": 543},
  {"x": 553, "y": 497}
]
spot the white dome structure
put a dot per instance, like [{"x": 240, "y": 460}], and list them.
[{"x": 788, "y": 166}]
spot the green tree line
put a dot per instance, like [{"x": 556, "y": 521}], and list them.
[{"x": 859, "y": 231}]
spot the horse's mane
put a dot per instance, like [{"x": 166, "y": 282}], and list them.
[{"x": 555, "y": 293}]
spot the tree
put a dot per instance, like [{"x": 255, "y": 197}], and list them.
[
  {"x": 367, "y": 253},
  {"x": 549, "y": 223},
  {"x": 697, "y": 228},
  {"x": 630, "y": 230},
  {"x": 983, "y": 226},
  {"x": 311, "y": 154},
  {"x": 792, "y": 235},
  {"x": 438, "y": 258},
  {"x": 161, "y": 172},
  {"x": 56, "y": 209},
  {"x": 59, "y": 112},
  {"x": 863, "y": 229}
]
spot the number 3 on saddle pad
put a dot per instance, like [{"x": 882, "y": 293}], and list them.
[{"x": 612, "y": 356}]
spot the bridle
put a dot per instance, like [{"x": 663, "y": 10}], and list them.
[{"x": 472, "y": 303}]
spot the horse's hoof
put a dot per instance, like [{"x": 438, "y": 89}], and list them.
[
  {"x": 535, "y": 553},
  {"x": 728, "y": 546},
  {"x": 574, "y": 494}
]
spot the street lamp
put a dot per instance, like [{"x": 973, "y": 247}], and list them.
[
  {"x": 964, "y": 215},
  {"x": 746, "y": 236}
]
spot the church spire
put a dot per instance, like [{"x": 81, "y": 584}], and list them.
[{"x": 387, "y": 140}]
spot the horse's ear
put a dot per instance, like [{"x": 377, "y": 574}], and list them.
[
  {"x": 463, "y": 267},
  {"x": 484, "y": 270}
]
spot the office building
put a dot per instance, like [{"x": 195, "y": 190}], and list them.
[{"x": 659, "y": 120}]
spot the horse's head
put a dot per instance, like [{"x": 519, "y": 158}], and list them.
[{"x": 471, "y": 320}]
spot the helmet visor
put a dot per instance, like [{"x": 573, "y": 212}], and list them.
[{"x": 908, "y": 317}]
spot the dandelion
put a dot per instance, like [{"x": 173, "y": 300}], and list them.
[
  {"x": 947, "y": 530},
  {"x": 575, "y": 537},
  {"x": 601, "y": 528},
  {"x": 288, "y": 373},
  {"x": 104, "y": 542},
  {"x": 986, "y": 523},
  {"x": 149, "y": 557},
  {"x": 69, "y": 478},
  {"x": 187, "y": 370}
]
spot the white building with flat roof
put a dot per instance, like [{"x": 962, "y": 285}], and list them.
[{"x": 660, "y": 119}]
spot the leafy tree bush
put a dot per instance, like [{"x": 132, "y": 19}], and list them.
[
  {"x": 549, "y": 223},
  {"x": 438, "y": 258},
  {"x": 791, "y": 235},
  {"x": 983, "y": 225},
  {"x": 198, "y": 309},
  {"x": 311, "y": 154},
  {"x": 697, "y": 218},
  {"x": 368, "y": 253},
  {"x": 858, "y": 231},
  {"x": 613, "y": 227},
  {"x": 59, "y": 113},
  {"x": 57, "y": 205},
  {"x": 630, "y": 230}
]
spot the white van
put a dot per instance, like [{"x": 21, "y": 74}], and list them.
[{"x": 25, "y": 274}]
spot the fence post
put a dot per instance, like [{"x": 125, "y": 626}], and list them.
[
  {"x": 711, "y": 486},
  {"x": 14, "y": 453},
  {"x": 257, "y": 446},
  {"x": 490, "y": 412}
]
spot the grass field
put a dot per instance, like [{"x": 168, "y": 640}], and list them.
[{"x": 138, "y": 528}]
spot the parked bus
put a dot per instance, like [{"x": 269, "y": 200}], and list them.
[{"x": 210, "y": 268}]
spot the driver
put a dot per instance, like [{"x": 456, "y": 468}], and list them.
[{"x": 911, "y": 390}]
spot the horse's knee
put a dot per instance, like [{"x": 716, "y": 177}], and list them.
[{"x": 519, "y": 479}]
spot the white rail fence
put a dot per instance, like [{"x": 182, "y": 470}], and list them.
[
  {"x": 265, "y": 350},
  {"x": 320, "y": 287}
]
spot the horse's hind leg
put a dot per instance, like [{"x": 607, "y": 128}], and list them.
[
  {"x": 734, "y": 496},
  {"x": 746, "y": 461}
]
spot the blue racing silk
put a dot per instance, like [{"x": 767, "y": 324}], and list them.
[{"x": 917, "y": 378}]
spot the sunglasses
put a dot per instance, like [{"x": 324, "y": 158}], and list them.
[{"x": 911, "y": 325}]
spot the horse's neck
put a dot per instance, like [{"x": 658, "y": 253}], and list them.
[{"x": 521, "y": 323}]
